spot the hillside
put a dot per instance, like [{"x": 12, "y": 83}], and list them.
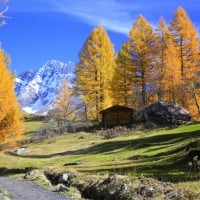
[
  {"x": 160, "y": 154},
  {"x": 151, "y": 150}
]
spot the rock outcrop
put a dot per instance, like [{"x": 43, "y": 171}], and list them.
[{"x": 165, "y": 113}]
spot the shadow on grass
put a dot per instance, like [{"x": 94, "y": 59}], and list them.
[
  {"x": 134, "y": 144},
  {"x": 6, "y": 171},
  {"x": 166, "y": 165},
  {"x": 173, "y": 172}
]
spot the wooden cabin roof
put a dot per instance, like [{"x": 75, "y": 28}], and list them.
[{"x": 116, "y": 107}]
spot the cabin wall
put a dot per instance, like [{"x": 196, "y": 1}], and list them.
[{"x": 117, "y": 118}]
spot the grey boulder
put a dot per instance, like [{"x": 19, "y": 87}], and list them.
[{"x": 166, "y": 113}]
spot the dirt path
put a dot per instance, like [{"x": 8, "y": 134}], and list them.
[{"x": 25, "y": 190}]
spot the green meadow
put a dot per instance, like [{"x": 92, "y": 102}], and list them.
[{"x": 161, "y": 154}]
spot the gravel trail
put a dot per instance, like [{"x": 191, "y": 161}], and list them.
[{"x": 25, "y": 190}]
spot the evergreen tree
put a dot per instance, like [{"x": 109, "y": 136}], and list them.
[
  {"x": 94, "y": 72},
  {"x": 11, "y": 124}
]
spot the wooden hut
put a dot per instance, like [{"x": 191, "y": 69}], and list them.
[{"x": 117, "y": 116}]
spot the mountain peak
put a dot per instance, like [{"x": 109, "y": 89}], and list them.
[
  {"x": 36, "y": 91},
  {"x": 56, "y": 65}
]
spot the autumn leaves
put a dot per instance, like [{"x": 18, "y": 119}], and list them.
[
  {"x": 155, "y": 64},
  {"x": 11, "y": 124}
]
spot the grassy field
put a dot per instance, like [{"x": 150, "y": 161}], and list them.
[{"x": 160, "y": 153}]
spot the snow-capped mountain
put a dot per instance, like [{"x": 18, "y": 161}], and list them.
[{"x": 36, "y": 91}]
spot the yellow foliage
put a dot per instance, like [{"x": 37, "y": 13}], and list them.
[
  {"x": 153, "y": 65},
  {"x": 11, "y": 124},
  {"x": 169, "y": 67},
  {"x": 123, "y": 79},
  {"x": 64, "y": 103},
  {"x": 142, "y": 43},
  {"x": 95, "y": 71},
  {"x": 187, "y": 46}
]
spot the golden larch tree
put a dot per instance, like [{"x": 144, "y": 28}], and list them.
[
  {"x": 168, "y": 68},
  {"x": 142, "y": 43},
  {"x": 187, "y": 45},
  {"x": 11, "y": 123},
  {"x": 123, "y": 79},
  {"x": 94, "y": 72},
  {"x": 64, "y": 105}
]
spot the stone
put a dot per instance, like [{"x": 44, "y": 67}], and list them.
[
  {"x": 65, "y": 178},
  {"x": 174, "y": 195},
  {"x": 22, "y": 150},
  {"x": 59, "y": 178},
  {"x": 124, "y": 187},
  {"x": 62, "y": 188},
  {"x": 165, "y": 113}
]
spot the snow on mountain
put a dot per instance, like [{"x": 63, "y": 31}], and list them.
[{"x": 36, "y": 91}]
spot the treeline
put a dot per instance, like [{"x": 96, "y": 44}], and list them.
[{"x": 161, "y": 64}]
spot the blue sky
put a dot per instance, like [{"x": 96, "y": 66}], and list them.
[{"x": 41, "y": 30}]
